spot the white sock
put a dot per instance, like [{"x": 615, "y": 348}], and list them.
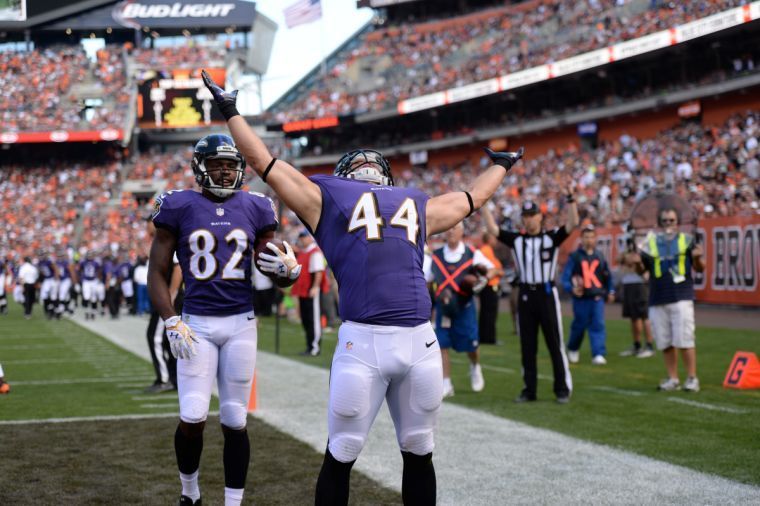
[
  {"x": 190, "y": 485},
  {"x": 1, "y": 371},
  {"x": 233, "y": 496},
  {"x": 447, "y": 383}
]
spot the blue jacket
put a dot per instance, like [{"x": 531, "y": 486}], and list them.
[{"x": 592, "y": 269}]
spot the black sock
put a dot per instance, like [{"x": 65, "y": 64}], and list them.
[
  {"x": 237, "y": 454},
  {"x": 188, "y": 450},
  {"x": 333, "y": 482},
  {"x": 418, "y": 486}
]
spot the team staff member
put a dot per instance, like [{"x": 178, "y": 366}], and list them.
[
  {"x": 27, "y": 276},
  {"x": 489, "y": 297},
  {"x": 307, "y": 288},
  {"x": 535, "y": 251},
  {"x": 587, "y": 276},
  {"x": 669, "y": 257}
]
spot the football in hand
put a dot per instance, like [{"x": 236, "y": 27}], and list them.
[
  {"x": 261, "y": 247},
  {"x": 468, "y": 284}
]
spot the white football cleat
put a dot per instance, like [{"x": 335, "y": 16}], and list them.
[
  {"x": 573, "y": 356},
  {"x": 669, "y": 385},
  {"x": 476, "y": 378},
  {"x": 599, "y": 360}
]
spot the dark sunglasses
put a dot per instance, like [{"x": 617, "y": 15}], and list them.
[{"x": 668, "y": 221}]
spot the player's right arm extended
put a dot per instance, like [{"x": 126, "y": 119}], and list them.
[
  {"x": 490, "y": 223},
  {"x": 295, "y": 189}
]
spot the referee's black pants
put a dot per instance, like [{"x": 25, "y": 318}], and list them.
[
  {"x": 535, "y": 308},
  {"x": 489, "y": 310},
  {"x": 311, "y": 320},
  {"x": 30, "y": 293}
]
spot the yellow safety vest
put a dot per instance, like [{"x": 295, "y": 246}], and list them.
[{"x": 656, "y": 255}]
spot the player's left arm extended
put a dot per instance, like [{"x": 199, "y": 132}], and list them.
[
  {"x": 295, "y": 189},
  {"x": 159, "y": 267},
  {"x": 445, "y": 211}
]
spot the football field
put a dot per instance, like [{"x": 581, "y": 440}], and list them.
[{"x": 58, "y": 370}]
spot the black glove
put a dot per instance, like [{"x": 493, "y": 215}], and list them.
[
  {"x": 224, "y": 101},
  {"x": 505, "y": 159}
]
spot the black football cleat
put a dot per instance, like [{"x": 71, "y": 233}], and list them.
[
  {"x": 523, "y": 397},
  {"x": 186, "y": 501}
]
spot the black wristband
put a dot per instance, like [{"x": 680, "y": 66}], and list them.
[
  {"x": 228, "y": 110},
  {"x": 472, "y": 205},
  {"x": 266, "y": 171}
]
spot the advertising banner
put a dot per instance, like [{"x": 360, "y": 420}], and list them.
[
  {"x": 732, "y": 256},
  {"x": 176, "y": 99},
  {"x": 107, "y": 134}
]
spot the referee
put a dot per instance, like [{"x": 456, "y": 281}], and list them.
[{"x": 535, "y": 252}]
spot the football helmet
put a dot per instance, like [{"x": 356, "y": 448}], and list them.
[
  {"x": 365, "y": 165},
  {"x": 215, "y": 147}
]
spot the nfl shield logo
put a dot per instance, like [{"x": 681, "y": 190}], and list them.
[
  {"x": 349, "y": 345},
  {"x": 219, "y": 211}
]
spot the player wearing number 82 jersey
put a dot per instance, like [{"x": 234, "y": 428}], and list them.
[{"x": 214, "y": 234}]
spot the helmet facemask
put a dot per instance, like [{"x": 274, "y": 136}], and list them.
[
  {"x": 217, "y": 147},
  {"x": 365, "y": 165}
]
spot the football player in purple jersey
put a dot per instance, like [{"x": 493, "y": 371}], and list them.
[
  {"x": 373, "y": 235},
  {"x": 89, "y": 274},
  {"x": 214, "y": 233}
]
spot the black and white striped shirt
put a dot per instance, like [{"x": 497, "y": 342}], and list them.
[{"x": 535, "y": 255}]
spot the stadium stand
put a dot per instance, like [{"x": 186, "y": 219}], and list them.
[
  {"x": 51, "y": 97},
  {"x": 395, "y": 63}
]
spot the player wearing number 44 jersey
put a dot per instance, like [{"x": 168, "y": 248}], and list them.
[
  {"x": 214, "y": 234},
  {"x": 373, "y": 235}
]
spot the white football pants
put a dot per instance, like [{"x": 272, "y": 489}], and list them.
[
  {"x": 373, "y": 362},
  {"x": 226, "y": 350}
]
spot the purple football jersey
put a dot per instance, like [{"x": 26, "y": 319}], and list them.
[
  {"x": 215, "y": 246},
  {"x": 63, "y": 268},
  {"x": 374, "y": 238},
  {"x": 89, "y": 269},
  {"x": 46, "y": 269}
]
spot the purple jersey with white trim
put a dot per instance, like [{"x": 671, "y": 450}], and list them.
[
  {"x": 89, "y": 269},
  {"x": 46, "y": 269},
  {"x": 215, "y": 246},
  {"x": 374, "y": 238},
  {"x": 63, "y": 268}
]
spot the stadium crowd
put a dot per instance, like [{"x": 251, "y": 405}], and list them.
[
  {"x": 396, "y": 63},
  {"x": 45, "y": 100},
  {"x": 191, "y": 56}
]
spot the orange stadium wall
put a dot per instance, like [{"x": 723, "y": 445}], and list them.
[{"x": 732, "y": 254}]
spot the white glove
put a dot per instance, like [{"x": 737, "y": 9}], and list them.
[
  {"x": 283, "y": 264},
  {"x": 482, "y": 282},
  {"x": 181, "y": 338}
]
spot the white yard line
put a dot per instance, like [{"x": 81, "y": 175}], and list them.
[
  {"x": 480, "y": 459},
  {"x": 75, "y": 381},
  {"x": 621, "y": 391},
  {"x": 711, "y": 407}
]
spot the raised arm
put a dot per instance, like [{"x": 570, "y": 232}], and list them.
[
  {"x": 491, "y": 226},
  {"x": 445, "y": 211},
  {"x": 295, "y": 189},
  {"x": 572, "y": 220}
]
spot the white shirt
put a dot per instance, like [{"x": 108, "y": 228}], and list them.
[
  {"x": 28, "y": 273},
  {"x": 141, "y": 274},
  {"x": 316, "y": 260},
  {"x": 453, "y": 256}
]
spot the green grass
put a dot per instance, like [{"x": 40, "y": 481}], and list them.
[
  {"x": 627, "y": 412},
  {"x": 122, "y": 461}
]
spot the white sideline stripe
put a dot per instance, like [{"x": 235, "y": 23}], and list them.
[
  {"x": 102, "y": 418},
  {"x": 72, "y": 381},
  {"x": 163, "y": 396},
  {"x": 46, "y": 361},
  {"x": 541, "y": 466},
  {"x": 159, "y": 406},
  {"x": 136, "y": 385},
  {"x": 621, "y": 391},
  {"x": 711, "y": 407}
]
